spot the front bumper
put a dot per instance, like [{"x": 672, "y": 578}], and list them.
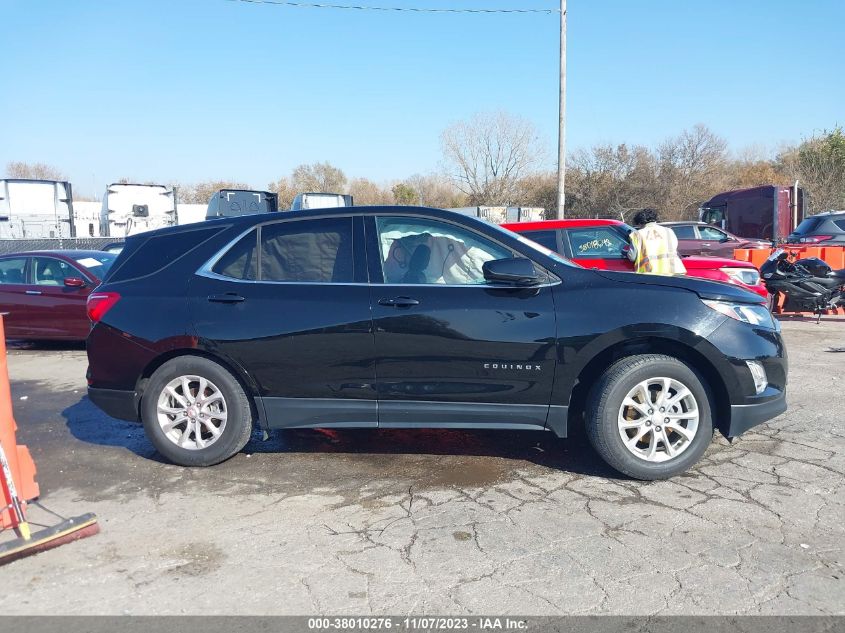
[
  {"x": 122, "y": 405},
  {"x": 744, "y": 416}
]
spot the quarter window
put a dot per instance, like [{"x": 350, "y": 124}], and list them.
[
  {"x": 421, "y": 251},
  {"x": 311, "y": 251},
  {"x": 601, "y": 242},
  {"x": 12, "y": 271},
  {"x": 240, "y": 261}
]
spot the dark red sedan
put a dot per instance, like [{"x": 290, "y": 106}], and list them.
[{"x": 43, "y": 293}]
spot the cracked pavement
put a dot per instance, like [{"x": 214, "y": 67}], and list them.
[{"x": 436, "y": 522}]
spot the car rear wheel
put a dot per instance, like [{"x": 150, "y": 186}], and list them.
[
  {"x": 649, "y": 416},
  {"x": 195, "y": 412}
]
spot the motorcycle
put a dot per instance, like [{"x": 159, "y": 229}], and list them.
[{"x": 807, "y": 285}]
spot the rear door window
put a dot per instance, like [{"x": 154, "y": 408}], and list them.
[
  {"x": 601, "y": 242},
  {"x": 12, "y": 271},
  {"x": 685, "y": 232},
  {"x": 840, "y": 224},
  {"x": 544, "y": 238},
  {"x": 307, "y": 251}
]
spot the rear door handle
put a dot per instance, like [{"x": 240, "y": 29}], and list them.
[
  {"x": 229, "y": 297},
  {"x": 399, "y": 302},
  {"x": 33, "y": 292}
]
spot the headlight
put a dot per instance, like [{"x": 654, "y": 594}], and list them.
[
  {"x": 747, "y": 276},
  {"x": 751, "y": 313}
]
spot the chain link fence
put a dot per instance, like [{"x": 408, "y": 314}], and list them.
[{"x": 56, "y": 244}]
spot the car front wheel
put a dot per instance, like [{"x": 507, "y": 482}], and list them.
[
  {"x": 195, "y": 412},
  {"x": 649, "y": 416}
]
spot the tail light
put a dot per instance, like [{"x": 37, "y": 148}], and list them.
[
  {"x": 815, "y": 239},
  {"x": 99, "y": 303}
]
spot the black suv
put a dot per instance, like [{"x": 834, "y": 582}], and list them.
[
  {"x": 824, "y": 229},
  {"x": 402, "y": 317}
]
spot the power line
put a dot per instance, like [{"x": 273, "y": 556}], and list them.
[{"x": 354, "y": 7}]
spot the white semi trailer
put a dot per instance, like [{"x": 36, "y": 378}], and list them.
[
  {"x": 129, "y": 209},
  {"x": 32, "y": 209}
]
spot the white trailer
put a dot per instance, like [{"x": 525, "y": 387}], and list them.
[
  {"x": 129, "y": 209},
  {"x": 500, "y": 215},
  {"x": 35, "y": 209}
]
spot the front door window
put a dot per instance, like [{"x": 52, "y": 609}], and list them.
[{"x": 422, "y": 251}]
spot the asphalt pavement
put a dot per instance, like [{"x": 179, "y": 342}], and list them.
[{"x": 435, "y": 522}]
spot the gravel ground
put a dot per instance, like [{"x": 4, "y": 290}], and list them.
[{"x": 435, "y": 522}]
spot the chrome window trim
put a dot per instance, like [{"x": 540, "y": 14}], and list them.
[{"x": 206, "y": 270}]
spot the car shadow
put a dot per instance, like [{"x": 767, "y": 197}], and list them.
[{"x": 88, "y": 424}]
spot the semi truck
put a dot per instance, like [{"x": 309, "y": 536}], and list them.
[
  {"x": 228, "y": 203},
  {"x": 770, "y": 212},
  {"x": 32, "y": 209},
  {"x": 320, "y": 201},
  {"x": 129, "y": 209}
]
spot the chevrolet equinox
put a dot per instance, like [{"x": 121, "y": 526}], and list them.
[{"x": 403, "y": 317}]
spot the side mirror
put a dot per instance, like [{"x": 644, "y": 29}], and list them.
[
  {"x": 626, "y": 251},
  {"x": 74, "y": 282},
  {"x": 512, "y": 271},
  {"x": 725, "y": 239}
]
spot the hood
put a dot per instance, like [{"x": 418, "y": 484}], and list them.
[
  {"x": 704, "y": 288},
  {"x": 712, "y": 263}
]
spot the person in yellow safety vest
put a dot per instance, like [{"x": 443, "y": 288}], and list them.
[{"x": 654, "y": 248}]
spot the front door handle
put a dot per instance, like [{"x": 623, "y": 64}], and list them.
[
  {"x": 33, "y": 292},
  {"x": 399, "y": 302},
  {"x": 229, "y": 297},
  {"x": 706, "y": 244}
]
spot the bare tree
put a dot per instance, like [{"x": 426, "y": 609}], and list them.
[
  {"x": 37, "y": 171},
  {"x": 318, "y": 178},
  {"x": 487, "y": 155},
  {"x": 366, "y": 192},
  {"x": 693, "y": 166},
  {"x": 285, "y": 190},
  {"x": 201, "y": 192}
]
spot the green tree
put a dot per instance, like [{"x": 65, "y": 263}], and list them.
[
  {"x": 404, "y": 195},
  {"x": 818, "y": 163}
]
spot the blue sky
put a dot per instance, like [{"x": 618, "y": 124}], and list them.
[{"x": 199, "y": 89}]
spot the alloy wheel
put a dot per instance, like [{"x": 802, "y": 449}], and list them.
[
  {"x": 191, "y": 412},
  {"x": 658, "y": 419}
]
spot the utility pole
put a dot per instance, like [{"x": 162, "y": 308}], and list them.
[{"x": 561, "y": 134}]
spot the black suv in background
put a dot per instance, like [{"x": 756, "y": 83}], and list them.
[
  {"x": 822, "y": 229},
  {"x": 398, "y": 317}
]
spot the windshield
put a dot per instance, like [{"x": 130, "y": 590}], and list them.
[
  {"x": 774, "y": 255},
  {"x": 97, "y": 263}
]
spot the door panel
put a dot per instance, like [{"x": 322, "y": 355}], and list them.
[
  {"x": 57, "y": 311},
  {"x": 304, "y": 342},
  {"x": 443, "y": 349},
  {"x": 14, "y": 301}
]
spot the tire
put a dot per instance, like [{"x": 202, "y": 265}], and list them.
[
  {"x": 223, "y": 414},
  {"x": 689, "y": 430}
]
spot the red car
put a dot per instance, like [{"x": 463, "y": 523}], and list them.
[
  {"x": 604, "y": 244},
  {"x": 44, "y": 292},
  {"x": 698, "y": 238}
]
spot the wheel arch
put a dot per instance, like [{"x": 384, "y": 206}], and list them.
[
  {"x": 239, "y": 374},
  {"x": 589, "y": 373}
]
